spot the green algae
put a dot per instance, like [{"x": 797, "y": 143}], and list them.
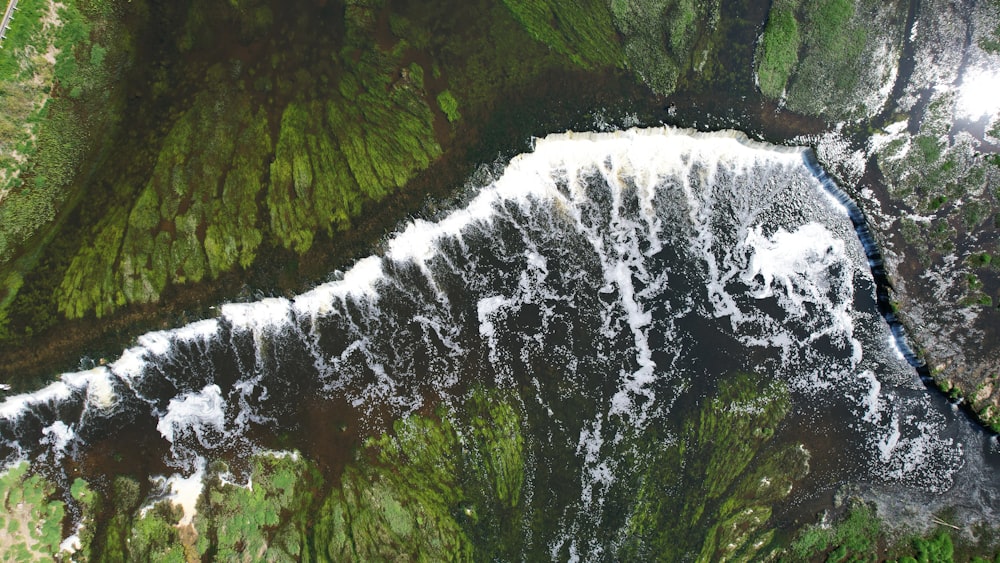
[
  {"x": 860, "y": 534},
  {"x": 165, "y": 237},
  {"x": 449, "y": 105},
  {"x": 110, "y": 540},
  {"x": 582, "y": 31},
  {"x": 155, "y": 536},
  {"x": 708, "y": 495},
  {"x": 451, "y": 487},
  {"x": 435, "y": 488},
  {"x": 89, "y": 284},
  {"x": 200, "y": 213},
  {"x": 856, "y": 533}
]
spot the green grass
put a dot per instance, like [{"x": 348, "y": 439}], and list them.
[{"x": 51, "y": 133}]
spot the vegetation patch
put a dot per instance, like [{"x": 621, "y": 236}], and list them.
[
  {"x": 30, "y": 518},
  {"x": 583, "y": 31},
  {"x": 660, "y": 37},
  {"x": 778, "y": 52},
  {"x": 711, "y": 493}
]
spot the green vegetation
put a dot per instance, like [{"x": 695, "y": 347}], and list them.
[
  {"x": 338, "y": 155},
  {"x": 778, "y": 51},
  {"x": 583, "y": 31},
  {"x": 155, "y": 535},
  {"x": 859, "y": 535},
  {"x": 449, "y": 105},
  {"x": 856, "y": 534},
  {"x": 660, "y": 37},
  {"x": 711, "y": 493},
  {"x": 200, "y": 215},
  {"x": 432, "y": 488},
  {"x": 811, "y": 53},
  {"x": 833, "y": 42},
  {"x": 269, "y": 516},
  {"x": 54, "y": 72},
  {"x": 30, "y": 519},
  {"x": 929, "y": 174},
  {"x": 378, "y": 513}
]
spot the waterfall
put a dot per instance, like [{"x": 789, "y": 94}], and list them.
[{"x": 608, "y": 278}]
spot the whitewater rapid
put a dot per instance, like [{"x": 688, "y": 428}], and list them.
[{"x": 629, "y": 267}]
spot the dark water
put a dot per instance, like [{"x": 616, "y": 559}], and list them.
[{"x": 610, "y": 280}]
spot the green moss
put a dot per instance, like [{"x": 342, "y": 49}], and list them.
[
  {"x": 376, "y": 513},
  {"x": 430, "y": 488},
  {"x": 814, "y": 52},
  {"x": 179, "y": 229},
  {"x": 659, "y": 37},
  {"x": 155, "y": 535},
  {"x": 449, "y": 105},
  {"x": 30, "y": 517},
  {"x": 779, "y": 49},
  {"x": 583, "y": 31},
  {"x": 267, "y": 519},
  {"x": 711, "y": 492},
  {"x": 90, "y": 284},
  {"x": 857, "y": 534},
  {"x": 930, "y": 148}
]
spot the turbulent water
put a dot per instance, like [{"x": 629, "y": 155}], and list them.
[{"x": 609, "y": 279}]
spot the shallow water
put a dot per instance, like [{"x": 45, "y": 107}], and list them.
[{"x": 610, "y": 280}]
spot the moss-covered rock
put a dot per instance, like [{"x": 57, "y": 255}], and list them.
[
  {"x": 709, "y": 496},
  {"x": 30, "y": 518},
  {"x": 660, "y": 37},
  {"x": 583, "y": 31},
  {"x": 778, "y": 52},
  {"x": 267, "y": 519},
  {"x": 811, "y": 55}
]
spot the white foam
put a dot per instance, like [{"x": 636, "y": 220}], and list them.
[
  {"x": 183, "y": 492},
  {"x": 194, "y": 411},
  {"x": 359, "y": 282},
  {"x": 58, "y": 435},
  {"x": 55, "y": 392},
  {"x": 260, "y": 316},
  {"x": 871, "y": 400},
  {"x": 71, "y": 545},
  {"x": 98, "y": 383},
  {"x": 789, "y": 259},
  {"x": 156, "y": 343},
  {"x": 199, "y": 331},
  {"x": 131, "y": 365}
]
